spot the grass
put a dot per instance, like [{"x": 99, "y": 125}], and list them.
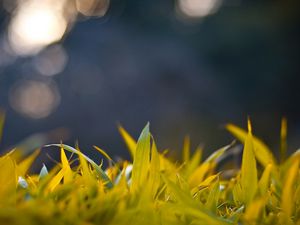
[{"x": 152, "y": 189}]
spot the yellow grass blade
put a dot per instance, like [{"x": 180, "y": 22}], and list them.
[
  {"x": 141, "y": 160},
  {"x": 201, "y": 171},
  {"x": 213, "y": 197},
  {"x": 191, "y": 207},
  {"x": 262, "y": 152},
  {"x": 264, "y": 181},
  {"x": 237, "y": 192},
  {"x": 248, "y": 170},
  {"x": 85, "y": 169},
  {"x": 154, "y": 172},
  {"x": 102, "y": 152},
  {"x": 283, "y": 142},
  {"x": 129, "y": 141},
  {"x": 26, "y": 163},
  {"x": 209, "y": 180},
  {"x": 254, "y": 211},
  {"x": 287, "y": 203},
  {"x": 193, "y": 163},
  {"x": 99, "y": 171},
  {"x": 55, "y": 180},
  {"x": 218, "y": 153},
  {"x": 198, "y": 175},
  {"x": 8, "y": 178},
  {"x": 186, "y": 149},
  {"x": 68, "y": 174}
]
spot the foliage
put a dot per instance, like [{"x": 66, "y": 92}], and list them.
[{"x": 153, "y": 189}]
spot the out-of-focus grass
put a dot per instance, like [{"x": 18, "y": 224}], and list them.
[{"x": 152, "y": 189}]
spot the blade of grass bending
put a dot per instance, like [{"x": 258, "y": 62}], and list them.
[
  {"x": 201, "y": 171},
  {"x": 218, "y": 153},
  {"x": 99, "y": 171},
  {"x": 102, "y": 152}
]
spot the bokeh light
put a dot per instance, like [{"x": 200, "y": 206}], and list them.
[
  {"x": 198, "y": 8},
  {"x": 34, "y": 99},
  {"x": 92, "y": 7},
  {"x": 51, "y": 61},
  {"x": 36, "y": 24}
]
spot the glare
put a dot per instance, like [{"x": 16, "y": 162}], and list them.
[
  {"x": 34, "y": 99},
  {"x": 198, "y": 8},
  {"x": 51, "y": 61},
  {"x": 36, "y": 24},
  {"x": 92, "y": 7}
]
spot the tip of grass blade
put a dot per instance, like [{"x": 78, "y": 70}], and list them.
[
  {"x": 102, "y": 152},
  {"x": 283, "y": 139},
  {"x": 128, "y": 139},
  {"x": 249, "y": 125},
  {"x": 43, "y": 172}
]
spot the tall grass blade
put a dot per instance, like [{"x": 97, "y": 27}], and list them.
[
  {"x": 141, "y": 160},
  {"x": 262, "y": 152},
  {"x": 249, "y": 169},
  {"x": 283, "y": 141}
]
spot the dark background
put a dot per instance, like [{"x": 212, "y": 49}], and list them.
[{"x": 142, "y": 62}]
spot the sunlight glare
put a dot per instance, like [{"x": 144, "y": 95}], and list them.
[
  {"x": 34, "y": 99},
  {"x": 35, "y": 25},
  {"x": 198, "y": 8}
]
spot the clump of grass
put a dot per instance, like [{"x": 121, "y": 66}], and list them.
[{"x": 152, "y": 189}]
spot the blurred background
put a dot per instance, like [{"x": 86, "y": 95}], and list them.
[{"x": 75, "y": 69}]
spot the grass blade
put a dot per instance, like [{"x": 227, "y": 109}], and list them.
[
  {"x": 248, "y": 170},
  {"x": 288, "y": 191},
  {"x": 141, "y": 160},
  {"x": 97, "y": 168},
  {"x": 262, "y": 152},
  {"x": 129, "y": 141}
]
